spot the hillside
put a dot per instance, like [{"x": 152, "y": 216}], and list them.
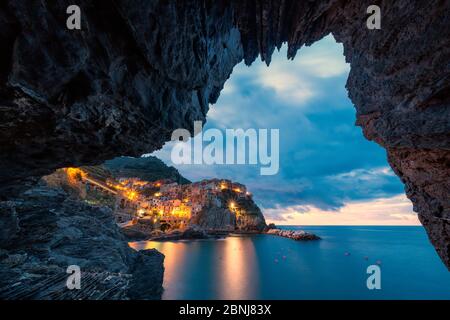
[{"x": 146, "y": 168}]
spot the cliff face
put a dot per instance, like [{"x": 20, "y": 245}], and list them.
[
  {"x": 139, "y": 69},
  {"x": 45, "y": 232},
  {"x": 218, "y": 215}
]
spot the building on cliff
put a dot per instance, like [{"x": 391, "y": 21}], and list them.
[{"x": 213, "y": 205}]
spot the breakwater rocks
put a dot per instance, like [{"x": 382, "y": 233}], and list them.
[{"x": 298, "y": 235}]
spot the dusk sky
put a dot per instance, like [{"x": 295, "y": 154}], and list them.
[{"x": 329, "y": 173}]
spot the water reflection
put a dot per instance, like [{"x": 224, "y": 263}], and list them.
[
  {"x": 221, "y": 269},
  {"x": 238, "y": 271},
  {"x": 267, "y": 267}
]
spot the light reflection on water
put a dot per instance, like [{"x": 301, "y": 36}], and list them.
[
  {"x": 268, "y": 267},
  {"x": 229, "y": 266},
  {"x": 238, "y": 271}
]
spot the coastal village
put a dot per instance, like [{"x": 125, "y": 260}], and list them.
[
  {"x": 167, "y": 210},
  {"x": 163, "y": 204}
]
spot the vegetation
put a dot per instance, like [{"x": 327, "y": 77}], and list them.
[{"x": 146, "y": 168}]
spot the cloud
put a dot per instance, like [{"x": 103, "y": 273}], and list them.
[
  {"x": 298, "y": 81},
  {"x": 324, "y": 59},
  {"x": 395, "y": 210},
  {"x": 289, "y": 85},
  {"x": 324, "y": 66}
]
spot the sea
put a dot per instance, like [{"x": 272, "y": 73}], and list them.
[{"x": 336, "y": 267}]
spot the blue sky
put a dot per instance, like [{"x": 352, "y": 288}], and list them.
[{"x": 329, "y": 173}]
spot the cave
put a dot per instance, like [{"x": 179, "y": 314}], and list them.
[{"x": 122, "y": 83}]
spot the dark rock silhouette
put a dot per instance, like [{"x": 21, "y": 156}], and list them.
[{"x": 54, "y": 232}]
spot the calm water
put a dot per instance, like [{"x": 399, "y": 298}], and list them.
[{"x": 268, "y": 267}]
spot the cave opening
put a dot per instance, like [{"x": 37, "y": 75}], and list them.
[
  {"x": 329, "y": 173},
  {"x": 72, "y": 99}
]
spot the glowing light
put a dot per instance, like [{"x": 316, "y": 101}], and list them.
[
  {"x": 158, "y": 194},
  {"x": 131, "y": 195},
  {"x": 119, "y": 187},
  {"x": 139, "y": 183},
  {"x": 75, "y": 174}
]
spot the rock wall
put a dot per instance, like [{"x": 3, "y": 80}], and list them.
[
  {"x": 139, "y": 69},
  {"x": 135, "y": 72},
  {"x": 222, "y": 219},
  {"x": 215, "y": 218},
  {"x": 217, "y": 215},
  {"x": 45, "y": 232}
]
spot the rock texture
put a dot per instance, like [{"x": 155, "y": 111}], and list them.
[
  {"x": 139, "y": 69},
  {"x": 48, "y": 232},
  {"x": 298, "y": 235},
  {"x": 216, "y": 216},
  {"x": 136, "y": 71}
]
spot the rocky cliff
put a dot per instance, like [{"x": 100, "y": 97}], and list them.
[
  {"x": 138, "y": 69},
  {"x": 248, "y": 218},
  {"x": 45, "y": 232}
]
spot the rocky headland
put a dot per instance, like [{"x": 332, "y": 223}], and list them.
[{"x": 206, "y": 209}]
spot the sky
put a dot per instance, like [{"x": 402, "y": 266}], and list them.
[{"x": 329, "y": 173}]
